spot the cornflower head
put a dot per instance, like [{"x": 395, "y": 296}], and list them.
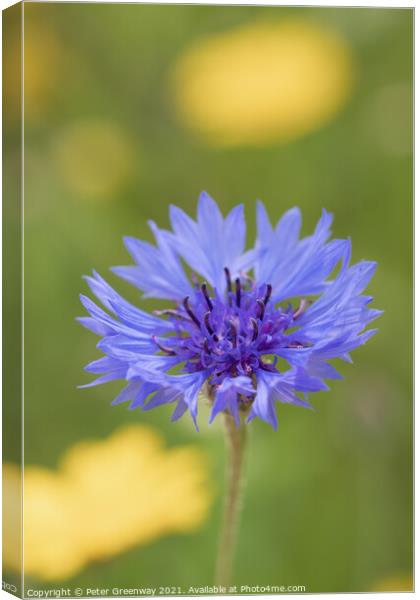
[{"x": 235, "y": 318}]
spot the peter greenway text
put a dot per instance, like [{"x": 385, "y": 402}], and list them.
[{"x": 207, "y": 590}]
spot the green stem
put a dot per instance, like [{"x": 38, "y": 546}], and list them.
[{"x": 236, "y": 440}]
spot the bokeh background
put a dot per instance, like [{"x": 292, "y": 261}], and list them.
[{"x": 127, "y": 109}]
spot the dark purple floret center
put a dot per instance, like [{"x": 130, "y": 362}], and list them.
[{"x": 230, "y": 335}]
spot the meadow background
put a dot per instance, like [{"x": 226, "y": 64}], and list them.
[{"x": 129, "y": 108}]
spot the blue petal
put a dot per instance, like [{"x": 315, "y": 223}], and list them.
[
  {"x": 302, "y": 381},
  {"x": 282, "y": 386},
  {"x": 294, "y": 356},
  {"x": 338, "y": 348},
  {"x": 341, "y": 296},
  {"x": 142, "y": 394},
  {"x": 191, "y": 395},
  {"x": 184, "y": 388},
  {"x": 188, "y": 243},
  {"x": 293, "y": 267},
  {"x": 117, "y": 374},
  {"x": 103, "y": 365},
  {"x": 94, "y": 325},
  {"x": 334, "y": 322},
  {"x": 125, "y": 348},
  {"x": 288, "y": 229},
  {"x": 105, "y": 320},
  {"x": 152, "y": 368},
  {"x": 226, "y": 397},
  {"x": 263, "y": 405},
  {"x": 131, "y": 315},
  {"x": 212, "y": 243},
  {"x": 276, "y": 244},
  {"x": 127, "y": 393},
  {"x": 306, "y": 274},
  {"x": 319, "y": 368},
  {"x": 179, "y": 411},
  {"x": 163, "y": 396},
  {"x": 235, "y": 233},
  {"x": 264, "y": 228},
  {"x": 159, "y": 273}
]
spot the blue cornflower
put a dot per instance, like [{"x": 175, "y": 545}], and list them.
[{"x": 232, "y": 316}]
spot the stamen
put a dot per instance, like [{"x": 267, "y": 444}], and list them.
[
  {"x": 234, "y": 333},
  {"x": 255, "y": 329},
  {"x": 228, "y": 279},
  {"x": 234, "y": 371},
  {"x": 206, "y": 296},
  {"x": 207, "y": 323},
  {"x": 162, "y": 347},
  {"x": 262, "y": 308},
  {"x": 303, "y": 305},
  {"x": 247, "y": 368},
  {"x": 297, "y": 345},
  {"x": 268, "y": 293},
  {"x": 187, "y": 307},
  {"x": 238, "y": 291}
]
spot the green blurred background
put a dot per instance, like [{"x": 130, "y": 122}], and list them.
[{"x": 328, "y": 500}]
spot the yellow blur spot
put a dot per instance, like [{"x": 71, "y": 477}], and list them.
[
  {"x": 43, "y": 56},
  {"x": 263, "y": 82},
  {"x": 109, "y": 496},
  {"x": 94, "y": 158},
  {"x": 398, "y": 582},
  {"x": 40, "y": 63},
  {"x": 44, "y": 59}
]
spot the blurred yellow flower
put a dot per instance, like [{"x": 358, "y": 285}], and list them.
[
  {"x": 43, "y": 55},
  {"x": 397, "y": 582},
  {"x": 263, "y": 82},
  {"x": 94, "y": 157},
  {"x": 108, "y": 496}
]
